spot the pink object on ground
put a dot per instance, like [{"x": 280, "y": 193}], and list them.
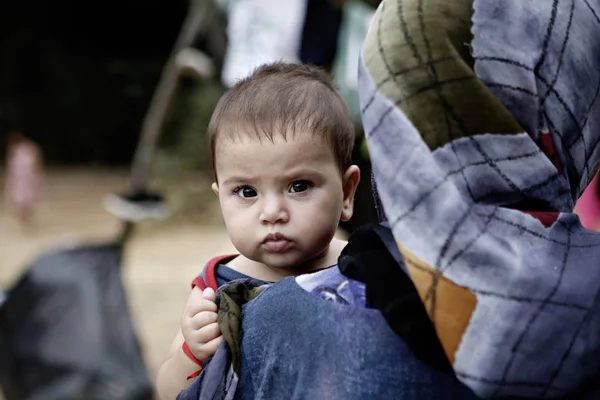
[{"x": 588, "y": 206}]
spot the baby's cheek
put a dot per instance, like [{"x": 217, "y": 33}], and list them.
[
  {"x": 234, "y": 225},
  {"x": 242, "y": 242},
  {"x": 322, "y": 220}
]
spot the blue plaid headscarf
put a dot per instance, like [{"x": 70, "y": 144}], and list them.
[{"x": 483, "y": 123}]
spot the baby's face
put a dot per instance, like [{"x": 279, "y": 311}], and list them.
[{"x": 281, "y": 200}]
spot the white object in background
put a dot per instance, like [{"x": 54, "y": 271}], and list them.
[
  {"x": 259, "y": 32},
  {"x": 195, "y": 63}
]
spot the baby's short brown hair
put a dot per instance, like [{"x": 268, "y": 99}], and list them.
[{"x": 280, "y": 98}]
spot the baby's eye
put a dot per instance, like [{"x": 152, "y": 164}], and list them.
[
  {"x": 300, "y": 186},
  {"x": 245, "y": 192}
]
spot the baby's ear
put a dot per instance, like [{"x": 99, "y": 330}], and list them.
[
  {"x": 215, "y": 188},
  {"x": 351, "y": 179}
]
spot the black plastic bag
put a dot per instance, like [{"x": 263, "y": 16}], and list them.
[{"x": 66, "y": 332}]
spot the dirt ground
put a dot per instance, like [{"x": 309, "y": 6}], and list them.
[{"x": 160, "y": 260}]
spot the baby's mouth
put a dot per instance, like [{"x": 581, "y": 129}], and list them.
[{"x": 276, "y": 243}]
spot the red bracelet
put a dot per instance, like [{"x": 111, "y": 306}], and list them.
[{"x": 192, "y": 357}]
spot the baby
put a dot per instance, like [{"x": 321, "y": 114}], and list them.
[{"x": 281, "y": 142}]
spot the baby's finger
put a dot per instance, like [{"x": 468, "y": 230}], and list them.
[
  {"x": 208, "y": 305},
  {"x": 202, "y": 319},
  {"x": 209, "y": 294},
  {"x": 211, "y": 347},
  {"x": 206, "y": 350},
  {"x": 208, "y": 333},
  {"x": 196, "y": 303}
]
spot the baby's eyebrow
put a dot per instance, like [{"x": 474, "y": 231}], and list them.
[
  {"x": 294, "y": 173},
  {"x": 300, "y": 172},
  {"x": 236, "y": 179}
]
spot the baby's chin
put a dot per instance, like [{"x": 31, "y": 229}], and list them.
[
  {"x": 299, "y": 267},
  {"x": 289, "y": 263}
]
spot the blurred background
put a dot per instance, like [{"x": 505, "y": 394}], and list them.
[
  {"x": 91, "y": 93},
  {"x": 78, "y": 80}
]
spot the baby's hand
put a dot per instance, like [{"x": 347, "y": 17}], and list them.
[{"x": 199, "y": 323}]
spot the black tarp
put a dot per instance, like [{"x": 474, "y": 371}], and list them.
[{"x": 66, "y": 331}]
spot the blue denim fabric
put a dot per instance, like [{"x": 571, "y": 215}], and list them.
[{"x": 297, "y": 346}]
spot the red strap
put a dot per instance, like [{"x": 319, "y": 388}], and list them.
[
  {"x": 198, "y": 281},
  {"x": 191, "y": 356},
  {"x": 547, "y": 147},
  {"x": 209, "y": 272},
  {"x": 188, "y": 352},
  {"x": 547, "y": 218},
  {"x": 195, "y": 374}
]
